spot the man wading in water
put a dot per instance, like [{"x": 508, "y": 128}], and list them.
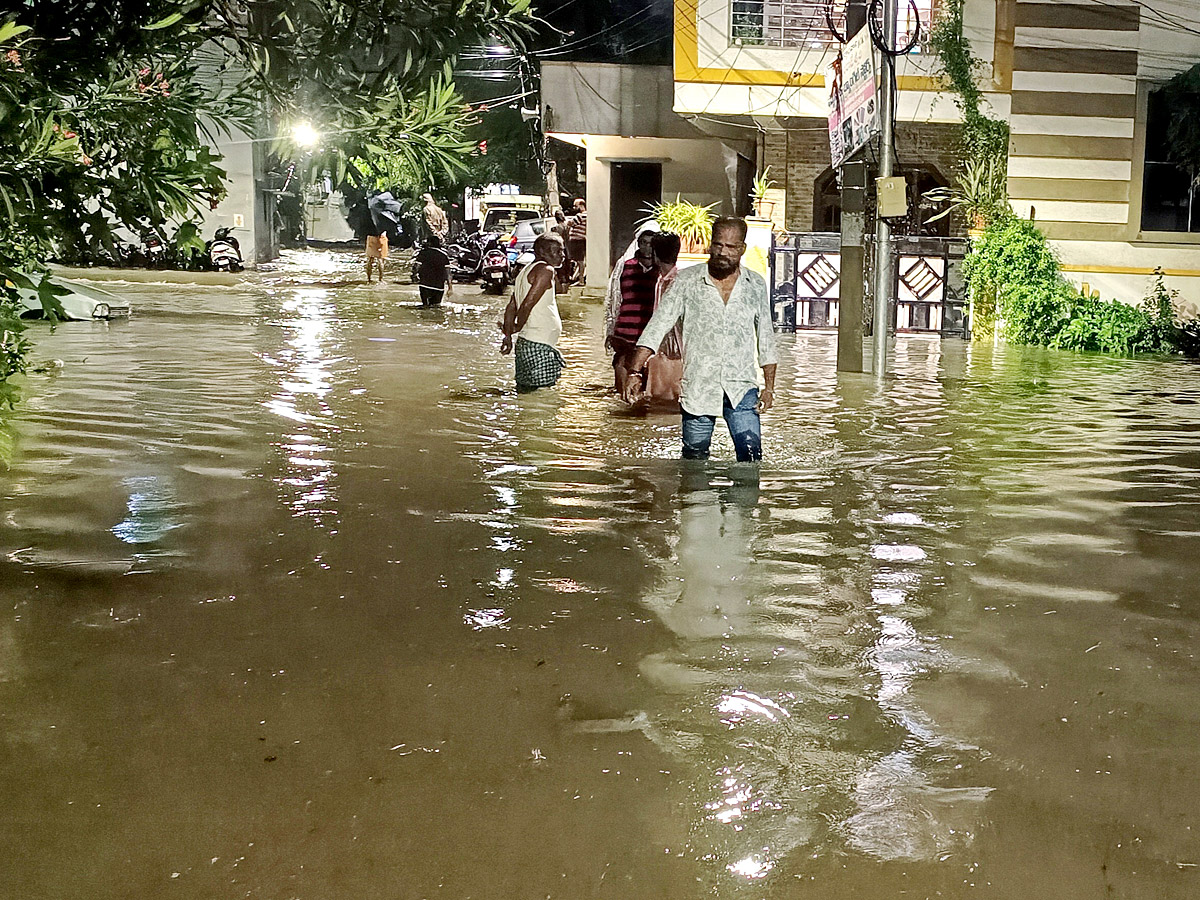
[
  {"x": 532, "y": 315},
  {"x": 726, "y": 320}
]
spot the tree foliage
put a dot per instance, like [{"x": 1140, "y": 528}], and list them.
[
  {"x": 374, "y": 79},
  {"x": 982, "y": 135},
  {"x": 109, "y": 110},
  {"x": 86, "y": 150}
]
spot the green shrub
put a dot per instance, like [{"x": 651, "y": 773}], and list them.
[
  {"x": 1037, "y": 313},
  {"x": 1106, "y": 326},
  {"x": 1164, "y": 332},
  {"x": 1010, "y": 254},
  {"x": 1013, "y": 274}
]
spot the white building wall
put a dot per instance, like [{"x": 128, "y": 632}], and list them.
[
  {"x": 236, "y": 211},
  {"x": 1124, "y": 271},
  {"x": 693, "y": 169}
]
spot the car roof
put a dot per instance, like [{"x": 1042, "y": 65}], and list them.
[{"x": 92, "y": 291}]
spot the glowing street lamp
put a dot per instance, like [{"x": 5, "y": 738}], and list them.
[{"x": 305, "y": 135}]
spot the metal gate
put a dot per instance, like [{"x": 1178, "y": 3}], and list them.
[{"x": 805, "y": 282}]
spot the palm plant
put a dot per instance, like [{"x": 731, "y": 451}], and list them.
[
  {"x": 691, "y": 221},
  {"x": 762, "y": 183},
  {"x": 980, "y": 196}
]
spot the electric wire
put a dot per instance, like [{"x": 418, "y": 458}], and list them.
[{"x": 573, "y": 46}]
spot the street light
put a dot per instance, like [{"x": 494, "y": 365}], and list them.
[{"x": 305, "y": 135}]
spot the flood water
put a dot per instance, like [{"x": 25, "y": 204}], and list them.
[{"x": 301, "y": 600}]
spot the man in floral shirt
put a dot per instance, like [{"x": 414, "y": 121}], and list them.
[{"x": 727, "y": 334}]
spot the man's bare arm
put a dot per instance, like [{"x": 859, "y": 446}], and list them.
[{"x": 767, "y": 398}]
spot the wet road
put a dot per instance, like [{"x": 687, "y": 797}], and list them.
[{"x": 300, "y": 600}]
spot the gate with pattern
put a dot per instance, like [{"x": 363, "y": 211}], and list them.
[{"x": 805, "y": 283}]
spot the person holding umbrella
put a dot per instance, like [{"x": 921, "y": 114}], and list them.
[{"x": 384, "y": 210}]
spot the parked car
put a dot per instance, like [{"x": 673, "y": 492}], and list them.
[
  {"x": 81, "y": 302},
  {"x": 520, "y": 245},
  {"x": 524, "y": 234},
  {"x": 503, "y": 219}
]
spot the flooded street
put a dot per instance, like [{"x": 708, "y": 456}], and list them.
[{"x": 302, "y": 600}]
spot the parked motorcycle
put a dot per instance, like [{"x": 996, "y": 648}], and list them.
[
  {"x": 466, "y": 258},
  {"x": 495, "y": 272},
  {"x": 153, "y": 251},
  {"x": 224, "y": 253},
  {"x": 524, "y": 258},
  {"x": 467, "y": 252}
]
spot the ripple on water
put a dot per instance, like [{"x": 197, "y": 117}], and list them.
[{"x": 892, "y": 633}]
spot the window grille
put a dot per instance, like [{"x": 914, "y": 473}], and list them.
[{"x": 801, "y": 23}]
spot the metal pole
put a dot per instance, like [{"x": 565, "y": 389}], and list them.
[
  {"x": 884, "y": 279},
  {"x": 853, "y": 265},
  {"x": 853, "y": 256}
]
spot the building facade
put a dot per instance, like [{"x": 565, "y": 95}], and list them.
[
  {"x": 638, "y": 151},
  {"x": 1075, "y": 79}
]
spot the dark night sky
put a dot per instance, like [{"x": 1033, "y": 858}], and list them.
[{"x": 638, "y": 31}]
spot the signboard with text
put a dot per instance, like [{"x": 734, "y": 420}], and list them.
[{"x": 853, "y": 106}]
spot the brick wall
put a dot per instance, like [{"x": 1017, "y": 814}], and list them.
[{"x": 799, "y": 154}]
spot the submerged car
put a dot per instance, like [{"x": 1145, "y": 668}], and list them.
[{"x": 80, "y": 302}]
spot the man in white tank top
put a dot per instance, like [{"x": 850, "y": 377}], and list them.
[{"x": 532, "y": 317}]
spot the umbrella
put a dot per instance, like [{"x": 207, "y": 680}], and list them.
[{"x": 385, "y": 212}]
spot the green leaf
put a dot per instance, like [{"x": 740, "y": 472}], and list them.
[
  {"x": 10, "y": 29},
  {"x": 48, "y": 294},
  {"x": 165, "y": 22}
]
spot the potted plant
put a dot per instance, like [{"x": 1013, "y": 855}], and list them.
[
  {"x": 691, "y": 221},
  {"x": 763, "y": 183},
  {"x": 980, "y": 195}
]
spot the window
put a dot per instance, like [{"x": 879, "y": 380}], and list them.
[
  {"x": 1170, "y": 197},
  {"x": 801, "y": 23}
]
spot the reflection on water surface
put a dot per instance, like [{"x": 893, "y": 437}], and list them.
[{"x": 304, "y": 601}]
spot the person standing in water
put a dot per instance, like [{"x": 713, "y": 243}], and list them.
[
  {"x": 726, "y": 318},
  {"x": 630, "y": 301},
  {"x": 433, "y": 272},
  {"x": 532, "y": 318},
  {"x": 577, "y": 239},
  {"x": 377, "y": 251}
]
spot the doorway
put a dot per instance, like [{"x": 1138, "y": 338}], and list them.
[{"x": 634, "y": 187}]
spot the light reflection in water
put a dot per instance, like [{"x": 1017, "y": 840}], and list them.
[
  {"x": 740, "y": 705},
  {"x": 151, "y": 510},
  {"x": 302, "y": 396},
  {"x": 750, "y": 588},
  {"x": 483, "y": 619},
  {"x": 752, "y": 867}
]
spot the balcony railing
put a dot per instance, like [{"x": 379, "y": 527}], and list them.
[{"x": 799, "y": 24}]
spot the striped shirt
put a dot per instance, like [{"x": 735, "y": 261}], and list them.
[{"x": 637, "y": 300}]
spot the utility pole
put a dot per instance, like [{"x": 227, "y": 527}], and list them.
[
  {"x": 853, "y": 244},
  {"x": 853, "y": 265},
  {"x": 884, "y": 281}
]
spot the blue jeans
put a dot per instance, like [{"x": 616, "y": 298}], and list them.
[{"x": 745, "y": 428}]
